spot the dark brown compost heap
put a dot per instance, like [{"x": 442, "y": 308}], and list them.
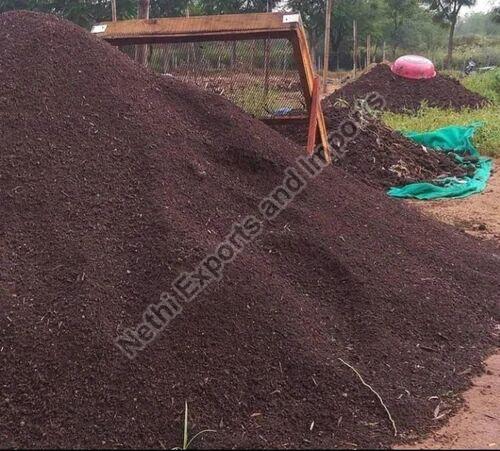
[
  {"x": 402, "y": 94},
  {"x": 113, "y": 181},
  {"x": 377, "y": 155}
]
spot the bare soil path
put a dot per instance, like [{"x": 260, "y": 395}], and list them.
[
  {"x": 478, "y": 215},
  {"x": 477, "y": 425}
]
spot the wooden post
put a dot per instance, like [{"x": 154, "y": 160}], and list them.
[
  {"x": 313, "y": 118},
  {"x": 326, "y": 56},
  {"x": 368, "y": 50},
  {"x": 354, "y": 46},
  {"x": 383, "y": 51},
  {"x": 301, "y": 51},
  {"x": 192, "y": 51},
  {"x": 113, "y": 10},
  {"x": 141, "y": 51}
]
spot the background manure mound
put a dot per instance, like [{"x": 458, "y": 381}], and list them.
[
  {"x": 113, "y": 181},
  {"x": 402, "y": 94}
]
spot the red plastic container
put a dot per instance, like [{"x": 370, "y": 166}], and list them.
[{"x": 413, "y": 66}]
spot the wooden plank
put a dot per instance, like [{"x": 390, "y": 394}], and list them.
[
  {"x": 206, "y": 37},
  {"x": 307, "y": 76},
  {"x": 277, "y": 120},
  {"x": 216, "y": 27},
  {"x": 313, "y": 118}
]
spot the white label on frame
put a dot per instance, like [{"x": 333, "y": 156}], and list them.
[
  {"x": 291, "y": 18},
  {"x": 99, "y": 28}
]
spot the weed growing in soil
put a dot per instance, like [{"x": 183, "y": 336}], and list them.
[{"x": 186, "y": 441}]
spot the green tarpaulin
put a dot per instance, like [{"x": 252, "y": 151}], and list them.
[{"x": 456, "y": 140}]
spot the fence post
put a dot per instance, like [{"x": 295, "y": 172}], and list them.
[
  {"x": 326, "y": 56},
  {"x": 141, "y": 51},
  {"x": 354, "y": 46},
  {"x": 267, "y": 54},
  {"x": 368, "y": 50},
  {"x": 113, "y": 10}
]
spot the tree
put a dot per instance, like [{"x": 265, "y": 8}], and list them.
[
  {"x": 400, "y": 13},
  {"x": 367, "y": 13},
  {"x": 236, "y": 6},
  {"x": 313, "y": 13},
  {"x": 495, "y": 14},
  {"x": 82, "y": 12},
  {"x": 9, "y": 5},
  {"x": 447, "y": 12},
  {"x": 480, "y": 24},
  {"x": 169, "y": 8}
]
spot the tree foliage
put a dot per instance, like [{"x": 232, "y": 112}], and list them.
[
  {"x": 447, "y": 11},
  {"x": 82, "y": 12},
  {"x": 400, "y": 14},
  {"x": 397, "y": 23},
  {"x": 87, "y": 12},
  {"x": 495, "y": 14},
  {"x": 415, "y": 25},
  {"x": 479, "y": 24},
  {"x": 235, "y": 6}
]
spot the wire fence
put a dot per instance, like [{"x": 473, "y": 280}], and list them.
[{"x": 260, "y": 75}]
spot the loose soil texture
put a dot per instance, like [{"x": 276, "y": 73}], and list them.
[
  {"x": 113, "y": 181},
  {"x": 402, "y": 94},
  {"x": 477, "y": 425},
  {"x": 378, "y": 155}
]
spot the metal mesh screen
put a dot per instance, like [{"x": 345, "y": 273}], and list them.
[{"x": 260, "y": 76}]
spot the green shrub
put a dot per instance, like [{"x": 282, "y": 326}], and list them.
[{"x": 485, "y": 83}]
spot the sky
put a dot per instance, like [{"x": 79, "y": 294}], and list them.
[{"x": 482, "y": 6}]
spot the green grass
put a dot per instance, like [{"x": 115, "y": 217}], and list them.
[
  {"x": 253, "y": 100},
  {"x": 486, "y": 84},
  {"x": 487, "y": 138}
]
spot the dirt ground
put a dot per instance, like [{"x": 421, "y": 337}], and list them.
[
  {"x": 477, "y": 425},
  {"x": 478, "y": 215}
]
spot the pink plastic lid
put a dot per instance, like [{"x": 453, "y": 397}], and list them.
[{"x": 413, "y": 66}]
